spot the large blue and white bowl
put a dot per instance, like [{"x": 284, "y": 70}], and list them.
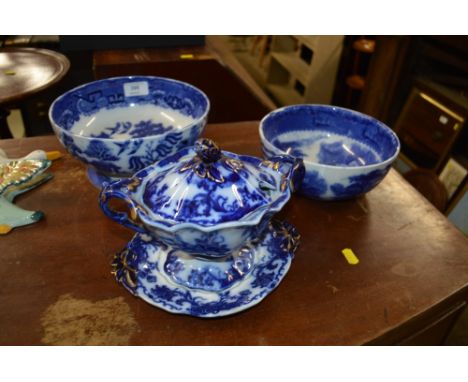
[
  {"x": 120, "y": 125},
  {"x": 345, "y": 153}
]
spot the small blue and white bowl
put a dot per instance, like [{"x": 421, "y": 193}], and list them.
[
  {"x": 345, "y": 153},
  {"x": 203, "y": 201},
  {"x": 120, "y": 125}
]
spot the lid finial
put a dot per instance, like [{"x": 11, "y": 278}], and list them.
[{"x": 207, "y": 150}]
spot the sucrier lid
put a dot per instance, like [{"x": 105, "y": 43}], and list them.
[{"x": 207, "y": 186}]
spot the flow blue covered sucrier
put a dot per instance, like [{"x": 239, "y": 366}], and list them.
[{"x": 204, "y": 201}]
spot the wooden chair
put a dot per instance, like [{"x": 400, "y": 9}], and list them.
[
  {"x": 356, "y": 81},
  {"x": 428, "y": 184}
]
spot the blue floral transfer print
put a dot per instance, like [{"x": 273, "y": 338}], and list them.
[
  {"x": 206, "y": 275},
  {"x": 359, "y": 184},
  {"x": 219, "y": 191},
  {"x": 146, "y": 269},
  {"x": 357, "y": 155},
  {"x": 313, "y": 184}
]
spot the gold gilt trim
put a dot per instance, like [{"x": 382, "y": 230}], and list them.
[
  {"x": 103, "y": 197},
  {"x": 234, "y": 164},
  {"x": 16, "y": 172},
  {"x": 134, "y": 184},
  {"x": 28, "y": 184},
  {"x": 133, "y": 214},
  {"x": 273, "y": 165},
  {"x": 202, "y": 169},
  {"x": 292, "y": 236},
  {"x": 123, "y": 272}
]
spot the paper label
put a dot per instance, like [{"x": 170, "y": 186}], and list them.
[
  {"x": 134, "y": 89},
  {"x": 443, "y": 119}
]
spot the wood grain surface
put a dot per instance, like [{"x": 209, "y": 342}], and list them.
[
  {"x": 57, "y": 287},
  {"x": 25, "y": 71}
]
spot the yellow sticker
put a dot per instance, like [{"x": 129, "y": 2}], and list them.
[
  {"x": 186, "y": 56},
  {"x": 350, "y": 257},
  {"x": 9, "y": 72},
  {"x": 53, "y": 155}
]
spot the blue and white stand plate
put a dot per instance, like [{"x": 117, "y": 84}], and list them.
[{"x": 180, "y": 283}]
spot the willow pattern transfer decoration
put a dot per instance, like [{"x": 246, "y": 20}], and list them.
[{"x": 120, "y": 125}]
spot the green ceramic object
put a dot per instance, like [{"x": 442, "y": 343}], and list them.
[{"x": 17, "y": 177}]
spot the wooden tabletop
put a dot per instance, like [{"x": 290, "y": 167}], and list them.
[
  {"x": 25, "y": 71},
  {"x": 57, "y": 287}
]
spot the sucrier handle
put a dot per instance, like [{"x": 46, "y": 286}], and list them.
[
  {"x": 120, "y": 190},
  {"x": 292, "y": 168}
]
